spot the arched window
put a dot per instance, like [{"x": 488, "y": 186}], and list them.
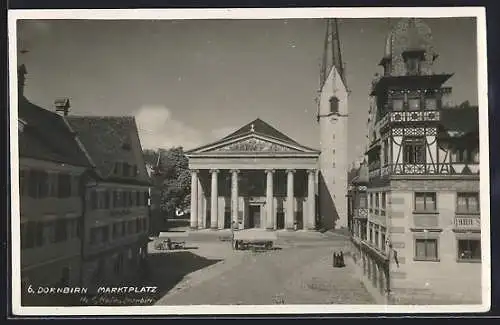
[{"x": 334, "y": 104}]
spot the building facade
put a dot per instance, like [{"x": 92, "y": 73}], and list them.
[
  {"x": 256, "y": 177},
  {"x": 416, "y": 218},
  {"x": 332, "y": 120},
  {"x": 116, "y": 223},
  {"x": 52, "y": 170}
]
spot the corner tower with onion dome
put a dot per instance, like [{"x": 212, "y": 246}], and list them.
[{"x": 417, "y": 231}]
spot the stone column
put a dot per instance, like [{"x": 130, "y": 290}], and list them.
[
  {"x": 234, "y": 196},
  {"x": 269, "y": 199},
  {"x": 201, "y": 205},
  {"x": 194, "y": 200},
  {"x": 214, "y": 194},
  {"x": 290, "y": 211},
  {"x": 311, "y": 199}
]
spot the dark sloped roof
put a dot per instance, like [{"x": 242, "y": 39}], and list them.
[
  {"x": 461, "y": 119},
  {"x": 106, "y": 140},
  {"x": 262, "y": 128},
  {"x": 258, "y": 127},
  {"x": 46, "y": 136}
]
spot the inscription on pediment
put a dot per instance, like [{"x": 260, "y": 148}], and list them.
[{"x": 255, "y": 145}]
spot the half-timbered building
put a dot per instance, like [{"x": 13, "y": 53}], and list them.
[{"x": 420, "y": 240}]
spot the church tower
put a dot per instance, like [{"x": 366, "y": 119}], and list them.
[{"x": 332, "y": 119}]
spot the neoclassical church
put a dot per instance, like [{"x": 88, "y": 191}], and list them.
[{"x": 258, "y": 177}]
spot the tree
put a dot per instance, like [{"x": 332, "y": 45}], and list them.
[{"x": 173, "y": 174}]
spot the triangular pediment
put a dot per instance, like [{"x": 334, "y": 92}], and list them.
[
  {"x": 257, "y": 137},
  {"x": 254, "y": 144}
]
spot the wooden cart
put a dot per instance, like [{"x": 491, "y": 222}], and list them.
[
  {"x": 171, "y": 240},
  {"x": 254, "y": 239}
]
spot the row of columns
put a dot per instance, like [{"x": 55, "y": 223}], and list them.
[{"x": 196, "y": 198}]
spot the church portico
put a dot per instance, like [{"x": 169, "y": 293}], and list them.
[{"x": 254, "y": 178}]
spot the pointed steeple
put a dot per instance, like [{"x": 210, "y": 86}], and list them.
[{"x": 332, "y": 54}]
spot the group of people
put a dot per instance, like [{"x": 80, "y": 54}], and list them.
[{"x": 338, "y": 259}]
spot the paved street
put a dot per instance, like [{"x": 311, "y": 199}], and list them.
[{"x": 299, "y": 271}]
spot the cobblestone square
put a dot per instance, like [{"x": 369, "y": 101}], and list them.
[{"x": 295, "y": 272}]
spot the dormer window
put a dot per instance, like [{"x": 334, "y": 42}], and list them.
[
  {"x": 413, "y": 66},
  {"x": 413, "y": 60}
]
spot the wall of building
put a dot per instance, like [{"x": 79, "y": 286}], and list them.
[
  {"x": 47, "y": 248},
  {"x": 445, "y": 279},
  {"x": 134, "y": 235},
  {"x": 333, "y": 165}
]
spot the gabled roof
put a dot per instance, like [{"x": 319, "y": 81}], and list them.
[
  {"x": 262, "y": 128},
  {"x": 259, "y": 130},
  {"x": 108, "y": 140},
  {"x": 46, "y": 136}
]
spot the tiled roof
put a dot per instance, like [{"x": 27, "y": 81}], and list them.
[
  {"x": 46, "y": 136},
  {"x": 109, "y": 140}
]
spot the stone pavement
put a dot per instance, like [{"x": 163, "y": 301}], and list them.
[{"x": 300, "y": 272}]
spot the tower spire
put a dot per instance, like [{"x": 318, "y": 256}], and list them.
[{"x": 332, "y": 54}]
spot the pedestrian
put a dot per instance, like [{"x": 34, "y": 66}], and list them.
[{"x": 341, "y": 259}]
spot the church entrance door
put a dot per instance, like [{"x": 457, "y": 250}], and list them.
[{"x": 254, "y": 216}]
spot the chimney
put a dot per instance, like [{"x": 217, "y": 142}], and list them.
[
  {"x": 62, "y": 106},
  {"x": 21, "y": 78}
]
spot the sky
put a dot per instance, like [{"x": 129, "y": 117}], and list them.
[{"x": 191, "y": 82}]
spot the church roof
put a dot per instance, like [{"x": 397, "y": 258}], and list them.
[{"x": 256, "y": 127}]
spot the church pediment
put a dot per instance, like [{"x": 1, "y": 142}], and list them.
[
  {"x": 257, "y": 137},
  {"x": 254, "y": 145}
]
